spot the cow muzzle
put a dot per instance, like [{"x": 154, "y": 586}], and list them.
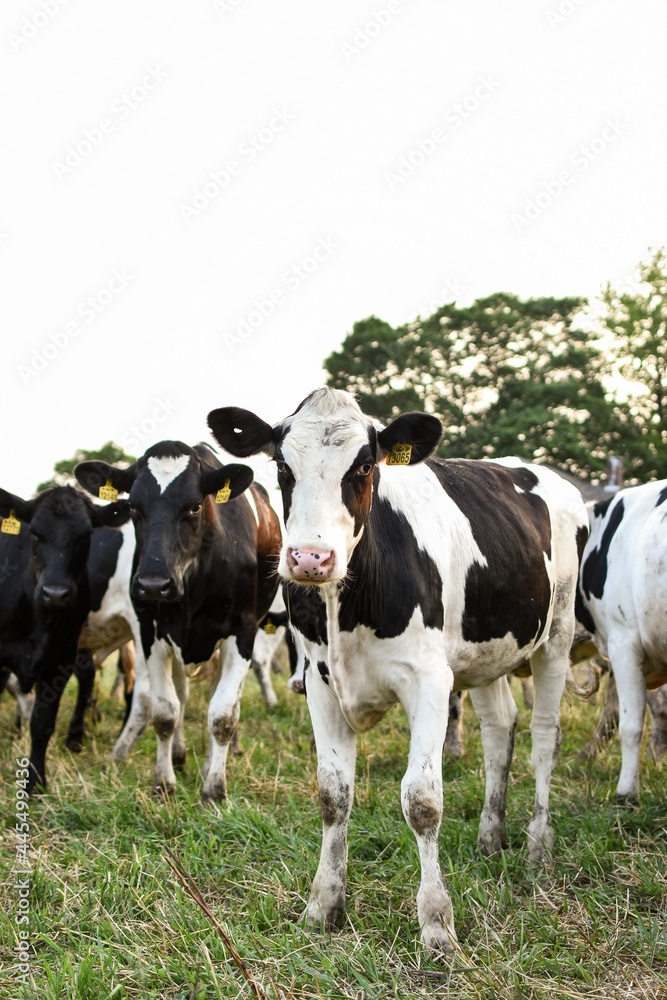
[
  {"x": 154, "y": 589},
  {"x": 56, "y": 596},
  {"x": 311, "y": 565}
]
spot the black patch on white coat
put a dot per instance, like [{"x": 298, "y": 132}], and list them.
[
  {"x": 594, "y": 570},
  {"x": 512, "y": 528}
]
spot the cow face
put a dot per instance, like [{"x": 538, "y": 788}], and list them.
[
  {"x": 60, "y": 522},
  {"x": 171, "y": 492},
  {"x": 326, "y": 455}
]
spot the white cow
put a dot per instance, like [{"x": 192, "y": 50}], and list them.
[{"x": 622, "y": 601}]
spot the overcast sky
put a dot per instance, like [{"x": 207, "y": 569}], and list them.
[{"x": 201, "y": 198}]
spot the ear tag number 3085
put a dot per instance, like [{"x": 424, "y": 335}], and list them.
[
  {"x": 108, "y": 492},
  {"x": 223, "y": 495},
  {"x": 10, "y": 525},
  {"x": 400, "y": 454}
]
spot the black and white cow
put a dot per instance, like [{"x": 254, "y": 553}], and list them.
[
  {"x": 57, "y": 553},
  {"x": 622, "y": 601},
  {"x": 407, "y": 578},
  {"x": 204, "y": 574}
]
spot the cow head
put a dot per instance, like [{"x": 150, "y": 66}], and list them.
[
  {"x": 326, "y": 454},
  {"x": 171, "y": 491},
  {"x": 60, "y": 522}
]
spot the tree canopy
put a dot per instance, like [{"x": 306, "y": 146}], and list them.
[{"x": 505, "y": 376}]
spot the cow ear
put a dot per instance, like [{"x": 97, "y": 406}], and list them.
[
  {"x": 23, "y": 509},
  {"x": 112, "y": 515},
  {"x": 408, "y": 439},
  {"x": 226, "y": 483},
  {"x": 93, "y": 475},
  {"x": 241, "y": 432}
]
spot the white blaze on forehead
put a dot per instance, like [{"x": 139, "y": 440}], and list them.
[{"x": 165, "y": 470}]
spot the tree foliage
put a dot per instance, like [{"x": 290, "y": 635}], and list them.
[
  {"x": 636, "y": 319},
  {"x": 506, "y": 376},
  {"x": 63, "y": 471}
]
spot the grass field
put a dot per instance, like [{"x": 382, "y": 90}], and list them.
[{"x": 109, "y": 918}]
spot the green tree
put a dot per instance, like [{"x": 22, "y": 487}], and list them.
[
  {"x": 506, "y": 376},
  {"x": 63, "y": 471},
  {"x": 636, "y": 319}
]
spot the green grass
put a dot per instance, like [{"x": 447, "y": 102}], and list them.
[{"x": 109, "y": 919}]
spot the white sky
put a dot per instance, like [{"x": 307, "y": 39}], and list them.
[{"x": 537, "y": 87}]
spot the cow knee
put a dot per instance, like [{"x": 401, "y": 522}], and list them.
[
  {"x": 164, "y": 720},
  {"x": 334, "y": 795},
  {"x": 222, "y": 728},
  {"x": 422, "y": 809}
]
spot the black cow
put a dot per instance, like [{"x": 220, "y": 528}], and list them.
[
  {"x": 204, "y": 574},
  {"x": 46, "y": 594}
]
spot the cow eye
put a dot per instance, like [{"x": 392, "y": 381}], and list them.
[
  {"x": 134, "y": 510},
  {"x": 194, "y": 510},
  {"x": 283, "y": 468},
  {"x": 365, "y": 469}
]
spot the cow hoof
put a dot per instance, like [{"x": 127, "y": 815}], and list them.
[
  {"x": 178, "y": 760},
  {"x": 626, "y": 801},
  {"x": 439, "y": 941},
  {"x": 74, "y": 744},
  {"x": 314, "y": 918},
  {"x": 163, "y": 789},
  {"x": 214, "y": 796}
]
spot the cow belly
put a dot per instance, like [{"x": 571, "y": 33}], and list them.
[{"x": 478, "y": 664}]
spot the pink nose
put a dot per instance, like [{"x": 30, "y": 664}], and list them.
[{"x": 314, "y": 565}]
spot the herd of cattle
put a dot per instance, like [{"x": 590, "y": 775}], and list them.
[{"x": 405, "y": 578}]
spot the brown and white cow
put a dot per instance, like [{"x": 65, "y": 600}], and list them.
[{"x": 409, "y": 577}]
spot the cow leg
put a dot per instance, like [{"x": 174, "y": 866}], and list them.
[
  {"x": 223, "y": 716},
  {"x": 631, "y": 687},
  {"x": 608, "y": 723},
  {"x": 262, "y": 671},
  {"x": 43, "y": 721},
  {"x": 140, "y": 709},
  {"x": 165, "y": 712},
  {"x": 657, "y": 706},
  {"x": 182, "y": 685},
  {"x": 24, "y": 701},
  {"x": 421, "y": 799},
  {"x": 497, "y": 713},
  {"x": 549, "y": 666},
  {"x": 336, "y": 746},
  {"x": 84, "y": 671},
  {"x": 454, "y": 737}
]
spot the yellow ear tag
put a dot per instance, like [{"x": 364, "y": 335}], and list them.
[
  {"x": 10, "y": 525},
  {"x": 223, "y": 495},
  {"x": 270, "y": 628},
  {"x": 400, "y": 454},
  {"x": 108, "y": 492}
]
